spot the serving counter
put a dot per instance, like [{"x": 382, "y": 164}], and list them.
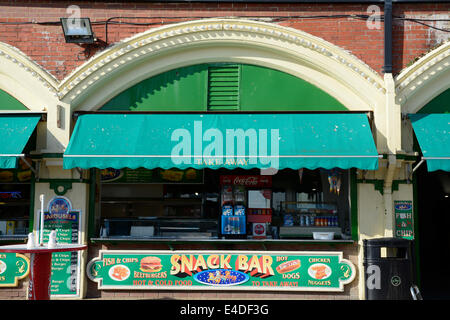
[{"x": 159, "y": 228}]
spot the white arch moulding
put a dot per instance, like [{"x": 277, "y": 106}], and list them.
[
  {"x": 315, "y": 60},
  {"x": 25, "y": 80},
  {"x": 421, "y": 82}
]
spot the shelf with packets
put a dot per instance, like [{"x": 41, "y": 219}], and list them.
[
  {"x": 259, "y": 215},
  {"x": 302, "y": 219},
  {"x": 321, "y": 214}
]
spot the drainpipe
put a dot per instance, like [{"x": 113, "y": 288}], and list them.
[
  {"x": 393, "y": 121},
  {"x": 387, "y": 68}
]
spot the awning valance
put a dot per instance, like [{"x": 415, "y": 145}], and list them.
[
  {"x": 433, "y": 134},
  {"x": 222, "y": 140},
  {"x": 15, "y": 131}
]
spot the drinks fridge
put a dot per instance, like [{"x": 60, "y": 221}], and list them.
[{"x": 245, "y": 200}]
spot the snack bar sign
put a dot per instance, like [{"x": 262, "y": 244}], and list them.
[
  {"x": 221, "y": 270},
  {"x": 13, "y": 267}
]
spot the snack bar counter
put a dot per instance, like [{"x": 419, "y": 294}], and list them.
[{"x": 159, "y": 228}]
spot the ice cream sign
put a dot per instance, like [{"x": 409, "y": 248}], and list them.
[{"x": 221, "y": 270}]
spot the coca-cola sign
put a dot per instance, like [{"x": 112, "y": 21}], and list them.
[{"x": 246, "y": 180}]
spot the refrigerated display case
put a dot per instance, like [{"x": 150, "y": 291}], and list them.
[
  {"x": 246, "y": 206},
  {"x": 233, "y": 218},
  {"x": 303, "y": 219}
]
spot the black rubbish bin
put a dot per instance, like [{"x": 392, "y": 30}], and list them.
[{"x": 388, "y": 268}]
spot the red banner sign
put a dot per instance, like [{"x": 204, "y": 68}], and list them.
[{"x": 246, "y": 180}]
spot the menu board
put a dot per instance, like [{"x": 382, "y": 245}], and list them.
[
  {"x": 65, "y": 272},
  {"x": 221, "y": 270},
  {"x": 404, "y": 226},
  {"x": 142, "y": 175}
]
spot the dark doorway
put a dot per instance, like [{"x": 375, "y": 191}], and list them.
[{"x": 433, "y": 204}]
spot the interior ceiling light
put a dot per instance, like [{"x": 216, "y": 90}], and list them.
[{"x": 77, "y": 30}]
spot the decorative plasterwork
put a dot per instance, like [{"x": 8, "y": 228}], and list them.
[
  {"x": 419, "y": 83},
  {"x": 26, "y": 74},
  {"x": 309, "y": 51}
]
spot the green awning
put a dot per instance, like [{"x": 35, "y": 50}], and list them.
[
  {"x": 15, "y": 131},
  {"x": 213, "y": 141},
  {"x": 433, "y": 134}
]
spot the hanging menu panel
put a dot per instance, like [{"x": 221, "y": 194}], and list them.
[{"x": 65, "y": 277}]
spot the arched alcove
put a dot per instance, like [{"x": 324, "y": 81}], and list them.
[
  {"x": 224, "y": 86},
  {"x": 316, "y": 61}
]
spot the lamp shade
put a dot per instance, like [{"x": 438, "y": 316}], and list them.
[{"x": 77, "y": 30}]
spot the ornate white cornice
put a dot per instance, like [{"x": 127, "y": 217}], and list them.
[
  {"x": 420, "y": 74},
  {"x": 159, "y": 40},
  {"x": 23, "y": 62},
  {"x": 315, "y": 51}
]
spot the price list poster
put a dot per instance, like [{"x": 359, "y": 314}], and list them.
[{"x": 65, "y": 272}]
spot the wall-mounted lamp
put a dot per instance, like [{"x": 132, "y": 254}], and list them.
[{"x": 77, "y": 30}]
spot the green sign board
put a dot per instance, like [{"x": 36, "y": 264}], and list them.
[
  {"x": 13, "y": 267},
  {"x": 65, "y": 277},
  {"x": 221, "y": 270},
  {"x": 404, "y": 226},
  {"x": 142, "y": 175}
]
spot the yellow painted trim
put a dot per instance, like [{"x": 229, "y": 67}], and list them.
[{"x": 29, "y": 266}]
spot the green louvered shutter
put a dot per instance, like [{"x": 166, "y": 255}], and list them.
[{"x": 223, "y": 87}]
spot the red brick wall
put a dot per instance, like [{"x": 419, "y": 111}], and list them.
[
  {"x": 15, "y": 293},
  {"x": 45, "y": 43}
]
